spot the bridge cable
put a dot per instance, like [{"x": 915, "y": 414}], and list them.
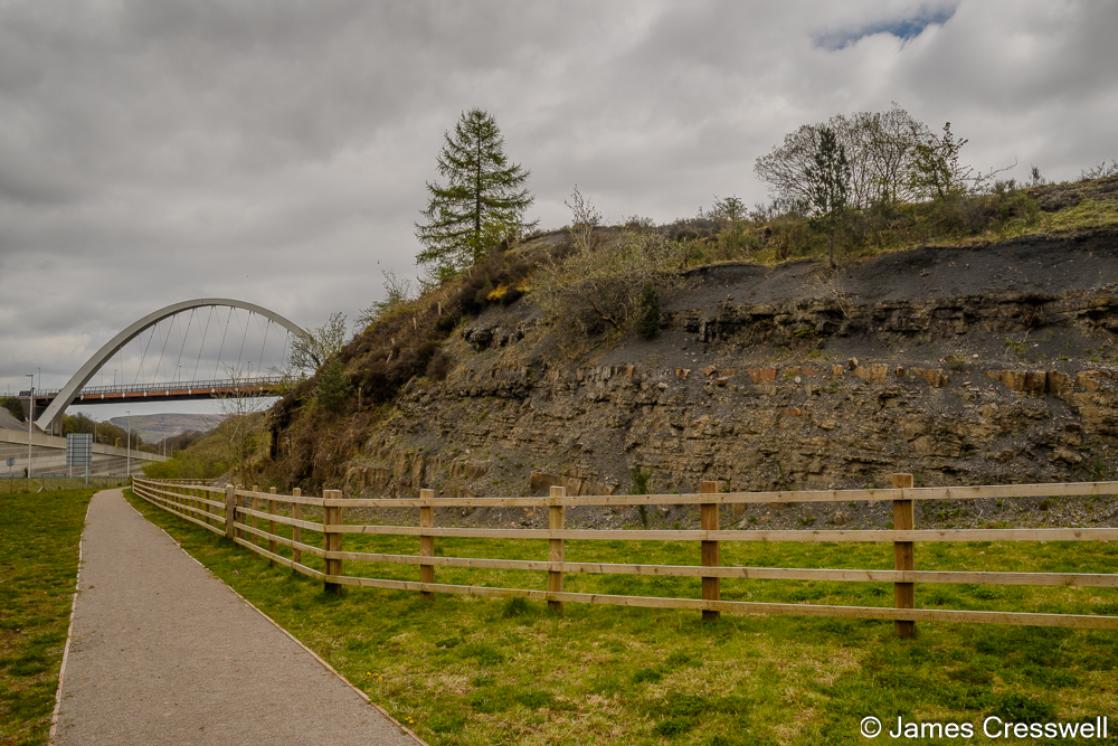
[
  {"x": 260, "y": 362},
  {"x": 202, "y": 346},
  {"x": 178, "y": 361},
  {"x": 285, "y": 359},
  {"x": 241, "y": 352},
  {"x": 220, "y": 349},
  {"x": 143, "y": 357},
  {"x": 170, "y": 328}
]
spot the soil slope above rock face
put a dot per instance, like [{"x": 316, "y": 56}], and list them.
[
  {"x": 992, "y": 364},
  {"x": 1036, "y": 265}
]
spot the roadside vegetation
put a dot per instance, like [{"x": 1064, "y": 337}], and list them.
[
  {"x": 39, "y": 536},
  {"x": 462, "y": 670},
  {"x": 104, "y": 432},
  {"x": 233, "y": 448}
]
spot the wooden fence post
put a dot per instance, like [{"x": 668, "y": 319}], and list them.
[
  {"x": 332, "y": 542},
  {"x": 904, "y": 556},
  {"x": 230, "y": 511},
  {"x": 711, "y": 555},
  {"x": 272, "y": 525},
  {"x": 426, "y": 543},
  {"x": 296, "y": 531},
  {"x": 254, "y": 522},
  {"x": 245, "y": 519},
  {"x": 556, "y": 521}
]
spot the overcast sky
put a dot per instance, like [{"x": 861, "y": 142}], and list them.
[{"x": 277, "y": 152}]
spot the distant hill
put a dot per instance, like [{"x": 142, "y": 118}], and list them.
[{"x": 155, "y": 427}]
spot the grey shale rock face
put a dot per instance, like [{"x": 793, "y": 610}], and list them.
[{"x": 964, "y": 366}]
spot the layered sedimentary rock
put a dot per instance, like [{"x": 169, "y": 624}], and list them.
[{"x": 991, "y": 364}]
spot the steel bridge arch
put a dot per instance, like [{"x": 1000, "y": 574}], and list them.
[{"x": 77, "y": 382}]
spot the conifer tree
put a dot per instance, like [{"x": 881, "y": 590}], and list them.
[
  {"x": 333, "y": 387},
  {"x": 480, "y": 202},
  {"x": 829, "y": 184}
]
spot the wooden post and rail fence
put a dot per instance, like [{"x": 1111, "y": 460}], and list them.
[{"x": 235, "y": 513}]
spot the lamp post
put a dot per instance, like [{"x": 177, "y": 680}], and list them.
[
  {"x": 30, "y": 419},
  {"x": 128, "y": 451}
]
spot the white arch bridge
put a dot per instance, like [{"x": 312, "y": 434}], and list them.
[{"x": 237, "y": 379}]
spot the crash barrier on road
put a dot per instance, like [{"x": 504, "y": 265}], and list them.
[{"x": 256, "y": 515}]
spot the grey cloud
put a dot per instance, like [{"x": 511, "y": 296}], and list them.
[{"x": 153, "y": 151}]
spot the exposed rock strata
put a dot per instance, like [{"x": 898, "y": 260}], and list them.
[{"x": 997, "y": 364}]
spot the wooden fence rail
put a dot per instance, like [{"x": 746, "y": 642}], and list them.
[{"x": 256, "y": 529}]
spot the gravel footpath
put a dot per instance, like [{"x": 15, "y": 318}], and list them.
[{"x": 162, "y": 652}]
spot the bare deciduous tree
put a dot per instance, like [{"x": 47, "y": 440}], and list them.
[
  {"x": 320, "y": 344},
  {"x": 880, "y": 147},
  {"x": 1100, "y": 171},
  {"x": 244, "y": 429},
  {"x": 585, "y": 218}
]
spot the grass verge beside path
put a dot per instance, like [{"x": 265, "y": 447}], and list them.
[
  {"x": 39, "y": 536},
  {"x": 462, "y": 670}
]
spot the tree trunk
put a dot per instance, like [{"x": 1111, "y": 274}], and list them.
[{"x": 477, "y": 202}]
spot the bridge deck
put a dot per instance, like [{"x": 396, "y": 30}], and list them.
[{"x": 171, "y": 391}]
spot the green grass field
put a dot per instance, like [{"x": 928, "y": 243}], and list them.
[
  {"x": 39, "y": 535},
  {"x": 463, "y": 670},
  {"x": 42, "y": 485}
]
